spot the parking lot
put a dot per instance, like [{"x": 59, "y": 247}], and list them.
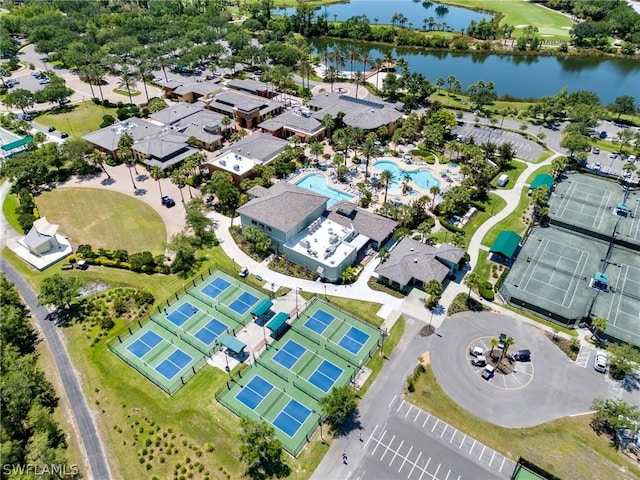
[
  {"x": 525, "y": 149},
  {"x": 397, "y": 450},
  {"x": 608, "y": 163}
]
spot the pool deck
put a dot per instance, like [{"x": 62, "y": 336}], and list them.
[{"x": 447, "y": 177}]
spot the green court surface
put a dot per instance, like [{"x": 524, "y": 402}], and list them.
[
  {"x": 340, "y": 333},
  {"x": 228, "y": 295},
  {"x": 159, "y": 355},
  {"x": 285, "y": 384},
  {"x": 262, "y": 395}
]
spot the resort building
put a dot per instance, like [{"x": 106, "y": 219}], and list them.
[
  {"x": 412, "y": 263},
  {"x": 376, "y": 228},
  {"x": 190, "y": 92},
  {"x": 247, "y": 110},
  {"x": 42, "y": 245},
  {"x": 298, "y": 122},
  {"x": 252, "y": 87},
  {"x": 369, "y": 114},
  {"x": 240, "y": 158},
  {"x": 106, "y": 139},
  {"x": 164, "y": 150}
]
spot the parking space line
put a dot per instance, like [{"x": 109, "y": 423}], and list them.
[
  {"x": 417, "y": 415},
  {"x": 502, "y": 464},
  {"x": 405, "y": 458},
  {"x": 408, "y": 411},
  {"x": 369, "y": 439},
  {"x": 378, "y": 442},
  {"x": 445, "y": 429},
  {"x": 435, "y": 475},
  {"x": 424, "y": 470},
  {"x": 448, "y": 473},
  {"x": 396, "y": 452},
  {"x": 387, "y": 447},
  {"x": 400, "y": 406},
  {"x": 481, "y": 453},
  {"x": 463, "y": 439},
  {"x": 492, "y": 456},
  {"x": 434, "y": 425},
  {"x": 452, "y": 436},
  {"x": 414, "y": 465},
  {"x": 426, "y": 420},
  {"x": 474, "y": 444},
  {"x": 392, "y": 400}
]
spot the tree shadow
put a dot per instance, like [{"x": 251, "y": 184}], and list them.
[
  {"x": 140, "y": 192},
  {"x": 107, "y": 181},
  {"x": 352, "y": 424},
  {"x": 142, "y": 177}
]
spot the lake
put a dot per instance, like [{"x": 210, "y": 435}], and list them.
[
  {"x": 521, "y": 76},
  {"x": 381, "y": 11}
]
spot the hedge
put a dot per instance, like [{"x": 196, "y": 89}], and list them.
[
  {"x": 486, "y": 291},
  {"x": 501, "y": 279},
  {"x": 448, "y": 226}
]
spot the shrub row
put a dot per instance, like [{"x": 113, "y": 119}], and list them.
[
  {"x": 501, "y": 279},
  {"x": 143, "y": 262},
  {"x": 448, "y": 226},
  {"x": 486, "y": 291}
]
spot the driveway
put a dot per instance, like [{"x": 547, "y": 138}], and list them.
[{"x": 557, "y": 386}]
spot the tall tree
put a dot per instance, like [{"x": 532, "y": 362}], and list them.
[
  {"x": 157, "y": 173},
  {"x": 472, "y": 280},
  {"x": 338, "y": 406},
  {"x": 59, "y": 290},
  {"x": 127, "y": 82},
  {"x": 386, "y": 178},
  {"x": 261, "y": 451}
]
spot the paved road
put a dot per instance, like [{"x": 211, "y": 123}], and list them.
[
  {"x": 98, "y": 465},
  {"x": 397, "y": 436}
]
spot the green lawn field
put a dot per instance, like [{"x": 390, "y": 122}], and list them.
[
  {"x": 104, "y": 219},
  {"x": 551, "y": 25},
  {"x": 77, "y": 120}
]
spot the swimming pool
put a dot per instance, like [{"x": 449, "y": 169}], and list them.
[
  {"x": 318, "y": 183},
  {"x": 423, "y": 178}
]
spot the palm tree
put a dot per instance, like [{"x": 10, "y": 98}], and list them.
[
  {"x": 127, "y": 82},
  {"x": 329, "y": 124},
  {"x": 178, "y": 178},
  {"x": 86, "y": 77},
  {"x": 377, "y": 66},
  {"x": 439, "y": 83},
  {"x": 331, "y": 76},
  {"x": 368, "y": 149},
  {"x": 472, "y": 280},
  {"x": 164, "y": 62},
  {"x": 157, "y": 173},
  {"x": 358, "y": 78},
  {"x": 434, "y": 191},
  {"x": 316, "y": 149},
  {"x": 494, "y": 342},
  {"x": 599, "y": 324},
  {"x": 352, "y": 55},
  {"x": 386, "y": 178},
  {"x": 97, "y": 160},
  {"x": 143, "y": 73},
  {"x": 434, "y": 289},
  {"x": 124, "y": 146}
]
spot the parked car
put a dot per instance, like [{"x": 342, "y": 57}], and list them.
[
  {"x": 632, "y": 159},
  {"x": 11, "y": 82},
  {"x": 44, "y": 81},
  {"x": 600, "y": 363},
  {"x": 82, "y": 265},
  {"x": 597, "y": 166},
  {"x": 522, "y": 355},
  {"x": 64, "y": 134},
  {"x": 476, "y": 351},
  {"x": 596, "y": 150},
  {"x": 479, "y": 361},
  {"x": 603, "y": 134},
  {"x": 613, "y": 155},
  {"x": 168, "y": 202},
  {"x": 64, "y": 101},
  {"x": 488, "y": 372},
  {"x": 51, "y": 129}
]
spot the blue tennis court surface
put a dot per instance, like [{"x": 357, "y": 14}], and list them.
[
  {"x": 210, "y": 331},
  {"x": 215, "y": 287},
  {"x": 144, "y": 344},
  {"x": 254, "y": 392},
  {"x": 289, "y": 354},
  {"x": 291, "y": 418},
  {"x": 325, "y": 376},
  {"x": 181, "y": 314},
  {"x": 319, "y": 321},
  {"x": 243, "y": 303},
  {"x": 353, "y": 340},
  {"x": 175, "y": 362}
]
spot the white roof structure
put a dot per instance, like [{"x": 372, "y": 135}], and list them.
[{"x": 324, "y": 241}]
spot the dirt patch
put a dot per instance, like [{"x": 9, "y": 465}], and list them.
[{"x": 425, "y": 358}]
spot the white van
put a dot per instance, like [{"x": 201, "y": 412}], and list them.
[{"x": 503, "y": 180}]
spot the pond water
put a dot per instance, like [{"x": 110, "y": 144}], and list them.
[
  {"x": 423, "y": 15},
  {"x": 318, "y": 183},
  {"x": 521, "y": 76},
  {"x": 423, "y": 178}
]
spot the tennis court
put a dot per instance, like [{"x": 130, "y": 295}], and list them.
[
  {"x": 338, "y": 332},
  {"x": 215, "y": 287},
  {"x": 620, "y": 305},
  {"x": 181, "y": 314},
  {"x": 159, "y": 355},
  {"x": 553, "y": 272},
  {"x": 321, "y": 369},
  {"x": 588, "y": 204},
  {"x": 243, "y": 303}
]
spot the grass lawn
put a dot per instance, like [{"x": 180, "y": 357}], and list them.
[
  {"x": 104, "y": 219},
  {"x": 9, "y": 210},
  {"x": 543, "y": 169},
  {"x": 551, "y": 25},
  {"x": 513, "y": 171},
  {"x": 77, "y": 120},
  {"x": 493, "y": 206},
  {"x": 567, "y": 447},
  {"x": 512, "y": 222}
]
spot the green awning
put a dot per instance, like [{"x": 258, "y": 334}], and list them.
[
  {"x": 506, "y": 243},
  {"x": 18, "y": 143},
  {"x": 541, "y": 180},
  {"x": 276, "y": 322},
  {"x": 262, "y": 307},
  {"x": 233, "y": 344}
]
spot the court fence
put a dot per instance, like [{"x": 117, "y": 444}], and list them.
[{"x": 174, "y": 386}]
